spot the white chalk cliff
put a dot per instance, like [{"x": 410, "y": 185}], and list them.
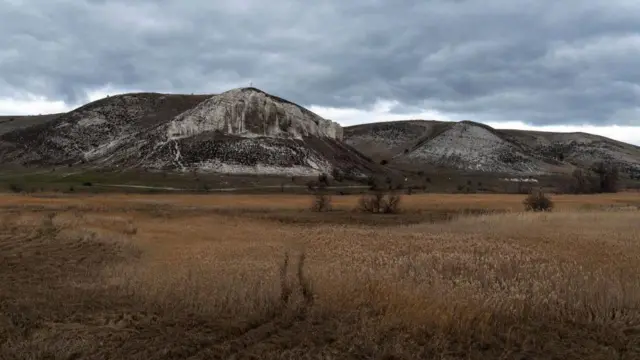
[
  {"x": 249, "y": 112},
  {"x": 239, "y": 131}
]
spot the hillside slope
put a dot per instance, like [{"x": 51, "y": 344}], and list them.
[
  {"x": 239, "y": 131},
  {"x": 12, "y": 123},
  {"x": 251, "y": 132},
  {"x": 470, "y": 146}
]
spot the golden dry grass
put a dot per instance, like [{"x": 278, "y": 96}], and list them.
[{"x": 180, "y": 277}]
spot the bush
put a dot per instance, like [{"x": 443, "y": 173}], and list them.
[
  {"x": 605, "y": 179},
  {"x": 609, "y": 175},
  {"x": 323, "y": 179},
  {"x": 16, "y": 188},
  {"x": 538, "y": 201},
  {"x": 580, "y": 183},
  {"x": 321, "y": 200},
  {"x": 380, "y": 203}
]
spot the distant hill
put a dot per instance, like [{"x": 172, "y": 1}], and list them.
[
  {"x": 470, "y": 146},
  {"x": 11, "y": 123},
  {"x": 248, "y": 131},
  {"x": 239, "y": 131}
]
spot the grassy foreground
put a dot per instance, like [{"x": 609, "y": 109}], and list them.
[{"x": 259, "y": 277}]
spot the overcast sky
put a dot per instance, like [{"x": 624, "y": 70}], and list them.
[{"x": 568, "y": 65}]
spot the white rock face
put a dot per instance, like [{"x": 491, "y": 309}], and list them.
[
  {"x": 91, "y": 121},
  {"x": 519, "y": 180},
  {"x": 250, "y": 113},
  {"x": 185, "y": 132},
  {"x": 582, "y": 149},
  {"x": 472, "y": 147},
  {"x": 219, "y": 167}
]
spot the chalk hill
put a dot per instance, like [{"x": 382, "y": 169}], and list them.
[
  {"x": 251, "y": 132},
  {"x": 239, "y": 131},
  {"x": 470, "y": 146}
]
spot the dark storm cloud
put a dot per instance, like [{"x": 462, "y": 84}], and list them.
[{"x": 542, "y": 62}]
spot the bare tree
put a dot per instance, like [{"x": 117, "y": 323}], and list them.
[{"x": 609, "y": 175}]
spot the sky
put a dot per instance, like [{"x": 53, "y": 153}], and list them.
[{"x": 568, "y": 65}]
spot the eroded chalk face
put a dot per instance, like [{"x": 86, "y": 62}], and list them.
[
  {"x": 249, "y": 112},
  {"x": 249, "y": 131},
  {"x": 238, "y": 131}
]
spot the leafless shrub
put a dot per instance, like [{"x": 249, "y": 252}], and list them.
[
  {"x": 371, "y": 203},
  {"x": 538, "y": 201},
  {"x": 321, "y": 202},
  {"x": 323, "y": 179},
  {"x": 321, "y": 198},
  {"x": 609, "y": 176},
  {"x": 392, "y": 205},
  {"x": 601, "y": 178},
  {"x": 380, "y": 203},
  {"x": 580, "y": 182}
]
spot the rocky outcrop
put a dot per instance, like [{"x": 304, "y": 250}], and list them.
[
  {"x": 239, "y": 131},
  {"x": 249, "y": 131},
  {"x": 103, "y": 131},
  {"x": 250, "y": 112},
  {"x": 470, "y": 146}
]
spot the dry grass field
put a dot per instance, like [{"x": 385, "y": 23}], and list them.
[{"x": 262, "y": 277}]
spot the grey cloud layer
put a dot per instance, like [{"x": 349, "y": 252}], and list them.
[{"x": 543, "y": 61}]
